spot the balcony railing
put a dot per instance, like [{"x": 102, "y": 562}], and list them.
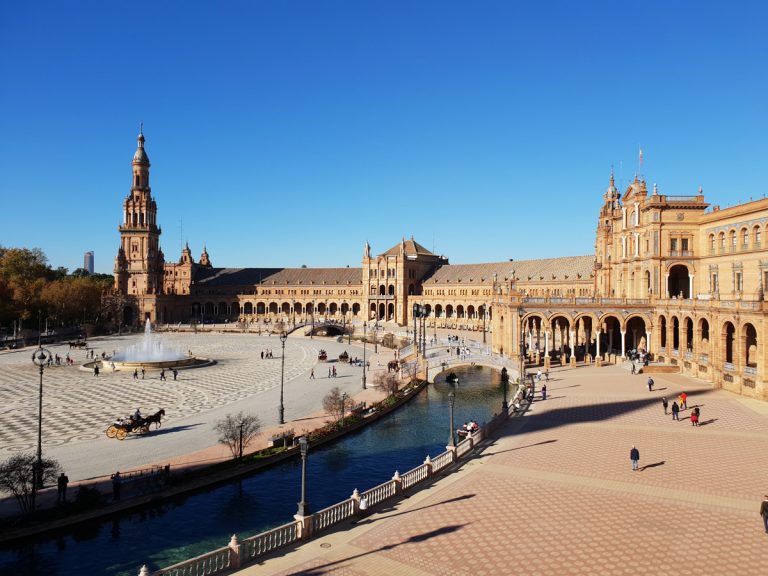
[
  {"x": 728, "y": 367},
  {"x": 750, "y": 370},
  {"x": 680, "y": 253}
]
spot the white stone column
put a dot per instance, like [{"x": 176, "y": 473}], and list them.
[
  {"x": 647, "y": 340},
  {"x": 623, "y": 217},
  {"x": 637, "y": 244},
  {"x": 690, "y": 285},
  {"x": 571, "y": 343},
  {"x": 623, "y": 344},
  {"x": 597, "y": 338},
  {"x": 666, "y": 284},
  {"x": 546, "y": 343},
  {"x": 637, "y": 214}
]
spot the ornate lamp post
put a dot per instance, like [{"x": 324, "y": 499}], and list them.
[
  {"x": 504, "y": 384},
  {"x": 365, "y": 341},
  {"x": 452, "y": 402},
  {"x": 303, "y": 505},
  {"x": 39, "y": 358},
  {"x": 485, "y": 313},
  {"x": 283, "y": 338},
  {"x": 376, "y": 336},
  {"x": 312, "y": 332}
]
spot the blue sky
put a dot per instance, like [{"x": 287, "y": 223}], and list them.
[{"x": 288, "y": 133}]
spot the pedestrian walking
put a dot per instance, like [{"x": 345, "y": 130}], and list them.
[
  {"x": 683, "y": 401},
  {"x": 312, "y": 374},
  {"x": 175, "y": 373},
  {"x": 546, "y": 374},
  {"x": 538, "y": 376},
  {"x": 543, "y": 391},
  {"x": 117, "y": 482},
  {"x": 764, "y": 512},
  {"x": 142, "y": 372},
  {"x": 96, "y": 370},
  {"x": 62, "y": 485},
  {"x": 675, "y": 411},
  {"x": 665, "y": 403},
  {"x": 262, "y": 354},
  {"x": 329, "y": 372},
  {"x": 135, "y": 373},
  {"x": 695, "y": 416},
  {"x": 634, "y": 455},
  {"x": 633, "y": 367},
  {"x": 162, "y": 375},
  {"x": 650, "y": 384},
  {"x": 334, "y": 371}
]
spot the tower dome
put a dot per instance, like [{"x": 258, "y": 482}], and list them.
[{"x": 140, "y": 156}]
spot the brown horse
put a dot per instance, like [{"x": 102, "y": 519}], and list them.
[{"x": 155, "y": 418}]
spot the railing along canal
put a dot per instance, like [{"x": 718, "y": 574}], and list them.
[{"x": 239, "y": 554}]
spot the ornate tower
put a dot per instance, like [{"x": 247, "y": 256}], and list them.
[{"x": 139, "y": 262}]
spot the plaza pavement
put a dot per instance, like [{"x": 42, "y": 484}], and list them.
[
  {"x": 554, "y": 493},
  {"x": 78, "y": 407}
]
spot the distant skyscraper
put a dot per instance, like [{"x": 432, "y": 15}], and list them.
[{"x": 88, "y": 262}]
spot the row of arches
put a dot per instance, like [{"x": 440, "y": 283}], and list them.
[
  {"x": 744, "y": 239},
  {"x": 738, "y": 344}
]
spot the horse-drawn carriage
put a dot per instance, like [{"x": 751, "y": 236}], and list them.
[
  {"x": 322, "y": 355},
  {"x": 124, "y": 426}
]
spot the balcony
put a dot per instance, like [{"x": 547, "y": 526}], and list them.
[
  {"x": 681, "y": 253},
  {"x": 728, "y": 367}
]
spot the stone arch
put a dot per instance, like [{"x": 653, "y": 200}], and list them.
[
  {"x": 333, "y": 309},
  {"x": 732, "y": 240},
  {"x": 382, "y": 290},
  {"x": 749, "y": 334},
  {"x": 390, "y": 311},
  {"x": 610, "y": 339},
  {"x": 372, "y": 311},
  {"x": 459, "y": 311},
  {"x": 222, "y": 309},
  {"x": 756, "y": 236},
  {"x": 248, "y": 308},
  {"x": 678, "y": 281},
  {"x": 321, "y": 308},
  {"x": 261, "y": 308},
  {"x": 273, "y": 307},
  {"x": 208, "y": 309},
  {"x": 344, "y": 309},
  {"x": 449, "y": 311},
  {"x": 744, "y": 236},
  {"x": 285, "y": 308},
  {"x": 309, "y": 308},
  {"x": 688, "y": 334},
  {"x": 411, "y": 290},
  {"x": 438, "y": 311},
  {"x": 560, "y": 327},
  {"x": 727, "y": 336},
  {"x": 355, "y": 309},
  {"x": 382, "y": 311},
  {"x": 391, "y": 290},
  {"x": 297, "y": 308},
  {"x": 703, "y": 335},
  {"x": 721, "y": 241},
  {"x": 674, "y": 323},
  {"x": 712, "y": 244},
  {"x": 471, "y": 311},
  {"x": 428, "y": 308},
  {"x": 635, "y": 337}
]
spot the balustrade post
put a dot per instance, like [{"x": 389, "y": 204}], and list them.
[
  {"x": 234, "y": 552},
  {"x": 304, "y": 526},
  {"x": 428, "y": 462},
  {"x": 355, "y": 502},
  {"x": 398, "y": 483}
]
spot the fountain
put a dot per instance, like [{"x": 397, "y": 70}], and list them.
[{"x": 151, "y": 352}]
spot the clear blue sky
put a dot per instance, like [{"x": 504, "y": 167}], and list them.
[{"x": 287, "y": 133}]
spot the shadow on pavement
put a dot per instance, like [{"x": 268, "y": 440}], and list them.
[
  {"x": 161, "y": 431},
  {"x": 324, "y": 569},
  {"x": 654, "y": 465}
]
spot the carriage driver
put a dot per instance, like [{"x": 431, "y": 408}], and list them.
[{"x": 137, "y": 415}]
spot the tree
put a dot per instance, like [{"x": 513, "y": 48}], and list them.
[
  {"x": 237, "y": 431},
  {"x": 334, "y": 403},
  {"x": 387, "y": 382},
  {"x": 17, "y": 477}
]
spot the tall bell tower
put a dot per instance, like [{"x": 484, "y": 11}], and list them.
[{"x": 139, "y": 262}]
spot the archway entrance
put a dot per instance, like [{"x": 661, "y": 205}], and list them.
[
  {"x": 679, "y": 283},
  {"x": 635, "y": 338}
]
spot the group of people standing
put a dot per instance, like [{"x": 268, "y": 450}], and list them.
[
  {"x": 266, "y": 353},
  {"x": 679, "y": 405}
]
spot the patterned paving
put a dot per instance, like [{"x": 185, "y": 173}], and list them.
[
  {"x": 78, "y": 406},
  {"x": 559, "y": 496}
]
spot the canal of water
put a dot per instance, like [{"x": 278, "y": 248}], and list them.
[{"x": 190, "y": 525}]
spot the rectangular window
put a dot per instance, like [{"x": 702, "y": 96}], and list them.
[
  {"x": 673, "y": 244},
  {"x": 739, "y": 282},
  {"x": 713, "y": 286},
  {"x": 684, "y": 245}
]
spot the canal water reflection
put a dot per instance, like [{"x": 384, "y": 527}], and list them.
[{"x": 187, "y": 526}]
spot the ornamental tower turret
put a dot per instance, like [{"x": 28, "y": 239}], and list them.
[{"x": 139, "y": 262}]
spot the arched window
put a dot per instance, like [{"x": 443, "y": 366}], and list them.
[
  {"x": 722, "y": 241},
  {"x": 758, "y": 237},
  {"x": 712, "y": 243},
  {"x": 744, "y": 239},
  {"x": 733, "y": 240}
]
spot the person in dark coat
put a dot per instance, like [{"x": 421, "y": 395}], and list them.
[
  {"x": 764, "y": 512},
  {"x": 62, "y": 486},
  {"x": 634, "y": 455},
  {"x": 665, "y": 403},
  {"x": 675, "y": 411}
]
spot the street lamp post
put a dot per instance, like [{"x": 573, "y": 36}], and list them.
[
  {"x": 376, "y": 336},
  {"x": 485, "y": 313},
  {"x": 39, "y": 358},
  {"x": 365, "y": 341},
  {"x": 312, "y": 332},
  {"x": 283, "y": 338},
  {"x": 504, "y": 384},
  {"x": 303, "y": 505},
  {"x": 520, "y": 314},
  {"x": 452, "y": 402}
]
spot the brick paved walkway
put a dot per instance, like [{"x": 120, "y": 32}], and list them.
[{"x": 560, "y": 497}]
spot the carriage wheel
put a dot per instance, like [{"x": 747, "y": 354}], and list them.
[
  {"x": 144, "y": 429},
  {"x": 121, "y": 434},
  {"x": 111, "y": 432}
]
